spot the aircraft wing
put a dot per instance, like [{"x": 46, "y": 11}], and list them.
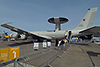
[
  {"x": 91, "y": 30},
  {"x": 25, "y": 32}
]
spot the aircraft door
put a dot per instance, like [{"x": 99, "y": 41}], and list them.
[{"x": 68, "y": 35}]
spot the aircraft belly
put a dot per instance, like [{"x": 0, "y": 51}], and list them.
[
  {"x": 57, "y": 35},
  {"x": 53, "y": 35}
]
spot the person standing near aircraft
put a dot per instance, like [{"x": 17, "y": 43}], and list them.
[{"x": 61, "y": 44}]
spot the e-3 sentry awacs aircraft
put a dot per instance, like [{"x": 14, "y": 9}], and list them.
[{"x": 84, "y": 28}]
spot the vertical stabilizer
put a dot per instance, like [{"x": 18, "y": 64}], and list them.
[{"x": 88, "y": 20}]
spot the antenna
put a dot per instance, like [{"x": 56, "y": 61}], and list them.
[{"x": 58, "y": 21}]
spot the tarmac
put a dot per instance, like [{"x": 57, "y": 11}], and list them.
[{"x": 81, "y": 54}]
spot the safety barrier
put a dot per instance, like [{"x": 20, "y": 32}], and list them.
[
  {"x": 63, "y": 48},
  {"x": 28, "y": 50},
  {"x": 10, "y": 53},
  {"x": 45, "y": 57},
  {"x": 7, "y": 54},
  {"x": 16, "y": 64}
]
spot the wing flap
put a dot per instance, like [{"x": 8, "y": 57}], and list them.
[{"x": 91, "y": 30}]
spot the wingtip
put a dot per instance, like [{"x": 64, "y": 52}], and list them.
[{"x": 6, "y": 23}]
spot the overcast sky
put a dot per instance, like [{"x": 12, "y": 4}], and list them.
[{"x": 33, "y": 15}]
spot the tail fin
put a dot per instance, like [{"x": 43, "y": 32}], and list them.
[{"x": 88, "y": 20}]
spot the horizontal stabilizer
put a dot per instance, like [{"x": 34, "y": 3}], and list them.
[{"x": 91, "y": 30}]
